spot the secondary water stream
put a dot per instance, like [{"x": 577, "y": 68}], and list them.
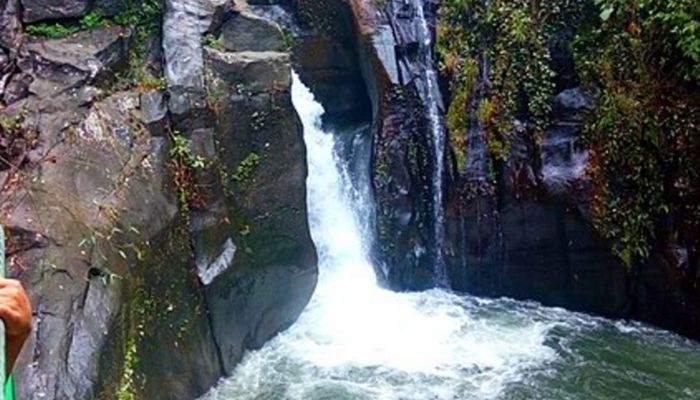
[
  {"x": 356, "y": 341},
  {"x": 430, "y": 95}
]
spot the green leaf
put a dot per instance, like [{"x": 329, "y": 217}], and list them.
[{"x": 606, "y": 13}]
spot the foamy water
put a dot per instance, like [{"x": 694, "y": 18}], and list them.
[{"x": 358, "y": 341}]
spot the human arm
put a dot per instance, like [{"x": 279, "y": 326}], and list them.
[{"x": 16, "y": 311}]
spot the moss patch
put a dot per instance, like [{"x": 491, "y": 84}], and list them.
[
  {"x": 645, "y": 135},
  {"x": 510, "y": 37}
]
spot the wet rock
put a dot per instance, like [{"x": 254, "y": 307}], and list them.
[
  {"x": 37, "y": 10},
  {"x": 10, "y": 25},
  {"x": 384, "y": 45},
  {"x": 280, "y": 14},
  {"x": 564, "y": 158},
  {"x": 273, "y": 271},
  {"x": 177, "y": 353},
  {"x": 153, "y": 107},
  {"x": 248, "y": 32},
  {"x": 184, "y": 25},
  {"x": 93, "y": 317},
  {"x": 333, "y": 69},
  {"x": 256, "y": 71},
  {"x": 208, "y": 270},
  {"x": 17, "y": 87},
  {"x": 573, "y": 105},
  {"x": 108, "y": 170},
  {"x": 57, "y": 65},
  {"x": 327, "y": 59}
]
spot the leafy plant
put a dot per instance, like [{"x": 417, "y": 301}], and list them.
[
  {"x": 185, "y": 164},
  {"x": 644, "y": 138},
  {"x": 150, "y": 82},
  {"x": 246, "y": 167},
  {"x": 288, "y": 39},
  {"x": 92, "y": 20},
  {"x": 144, "y": 18},
  {"x": 181, "y": 151},
  {"x": 213, "y": 41},
  {"x": 89, "y": 21},
  {"x": 508, "y": 40}
]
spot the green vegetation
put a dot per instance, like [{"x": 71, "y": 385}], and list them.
[
  {"x": 165, "y": 307},
  {"x": 213, "y": 41},
  {"x": 128, "y": 384},
  {"x": 91, "y": 20},
  {"x": 149, "y": 82},
  {"x": 645, "y": 56},
  {"x": 142, "y": 16},
  {"x": 185, "y": 165},
  {"x": 510, "y": 36},
  {"x": 9, "y": 125},
  {"x": 246, "y": 167},
  {"x": 288, "y": 39}
]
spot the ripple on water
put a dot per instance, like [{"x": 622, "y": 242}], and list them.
[{"x": 356, "y": 341}]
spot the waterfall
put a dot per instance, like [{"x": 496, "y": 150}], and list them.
[
  {"x": 431, "y": 96},
  {"x": 357, "y": 341}
]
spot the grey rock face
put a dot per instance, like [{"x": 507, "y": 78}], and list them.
[
  {"x": 112, "y": 265},
  {"x": 78, "y": 307},
  {"x": 573, "y": 105},
  {"x": 153, "y": 107},
  {"x": 57, "y": 65},
  {"x": 273, "y": 271},
  {"x": 10, "y": 25},
  {"x": 184, "y": 25},
  {"x": 17, "y": 87},
  {"x": 37, "y": 10},
  {"x": 255, "y": 71},
  {"x": 385, "y": 45},
  {"x": 248, "y": 32}
]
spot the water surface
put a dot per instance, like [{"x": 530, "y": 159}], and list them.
[{"x": 356, "y": 341}]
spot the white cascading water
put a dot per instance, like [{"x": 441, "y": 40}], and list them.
[
  {"x": 356, "y": 341},
  {"x": 437, "y": 130},
  {"x": 366, "y": 342}
]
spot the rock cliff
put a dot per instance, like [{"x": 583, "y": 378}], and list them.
[{"x": 153, "y": 193}]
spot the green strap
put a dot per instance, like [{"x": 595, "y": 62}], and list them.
[
  {"x": 10, "y": 388},
  {"x": 4, "y": 395}
]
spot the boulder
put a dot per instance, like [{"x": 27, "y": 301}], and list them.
[
  {"x": 573, "y": 105},
  {"x": 108, "y": 174},
  {"x": 184, "y": 25},
  {"x": 255, "y": 72},
  {"x": 37, "y": 10},
  {"x": 145, "y": 284},
  {"x": 58, "y": 65},
  {"x": 17, "y": 87},
  {"x": 264, "y": 272},
  {"x": 153, "y": 106},
  {"x": 247, "y": 32},
  {"x": 10, "y": 25},
  {"x": 109, "y": 7}
]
